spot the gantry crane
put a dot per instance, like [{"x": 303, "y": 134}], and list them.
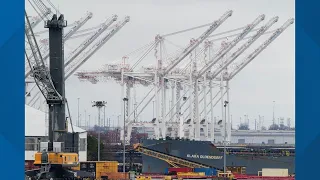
[
  {"x": 186, "y": 51},
  {"x": 179, "y": 78},
  {"x": 214, "y": 75},
  {"x": 195, "y": 122},
  {"x": 159, "y": 80},
  {"x": 159, "y": 76},
  {"x": 219, "y": 55},
  {"x": 234, "y": 55}
]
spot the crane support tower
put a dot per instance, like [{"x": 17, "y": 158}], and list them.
[{"x": 57, "y": 115}]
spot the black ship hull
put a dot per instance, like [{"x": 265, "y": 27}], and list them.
[{"x": 205, "y": 152}]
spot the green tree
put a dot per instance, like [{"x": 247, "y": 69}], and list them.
[{"x": 92, "y": 148}]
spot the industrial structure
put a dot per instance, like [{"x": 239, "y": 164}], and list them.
[
  {"x": 191, "y": 98},
  {"x": 58, "y": 151},
  {"x": 183, "y": 114}
]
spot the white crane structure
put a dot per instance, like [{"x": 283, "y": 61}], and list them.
[
  {"x": 43, "y": 13},
  {"x": 191, "y": 85},
  {"x": 38, "y": 19}
]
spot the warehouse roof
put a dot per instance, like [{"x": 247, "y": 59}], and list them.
[{"x": 35, "y": 123}]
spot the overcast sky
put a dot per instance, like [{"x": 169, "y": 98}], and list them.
[{"x": 270, "y": 77}]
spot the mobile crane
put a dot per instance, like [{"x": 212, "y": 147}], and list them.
[{"x": 60, "y": 153}]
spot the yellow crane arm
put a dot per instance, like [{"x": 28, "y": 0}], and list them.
[{"x": 172, "y": 160}]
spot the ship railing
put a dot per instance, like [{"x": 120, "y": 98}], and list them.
[
  {"x": 262, "y": 153},
  {"x": 256, "y": 144}
]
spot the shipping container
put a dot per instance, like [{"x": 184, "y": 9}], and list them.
[
  {"x": 98, "y": 167},
  {"x": 180, "y": 170},
  {"x": 143, "y": 178},
  {"x": 275, "y": 172},
  {"x": 115, "y": 176},
  {"x": 237, "y": 169},
  {"x": 106, "y": 167},
  {"x": 190, "y": 174},
  {"x": 166, "y": 171},
  {"x": 206, "y": 171}
]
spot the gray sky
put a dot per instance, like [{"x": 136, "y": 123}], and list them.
[{"x": 270, "y": 77}]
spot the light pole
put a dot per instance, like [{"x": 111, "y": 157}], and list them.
[
  {"x": 78, "y": 112},
  {"x": 89, "y": 122},
  {"x": 99, "y": 105},
  {"x": 85, "y": 118},
  {"x": 152, "y": 109},
  {"x": 225, "y": 139},
  {"x": 273, "y": 120},
  {"x": 124, "y": 135},
  {"x": 104, "y": 117},
  {"x": 118, "y": 125}
]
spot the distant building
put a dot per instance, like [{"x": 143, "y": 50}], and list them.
[{"x": 112, "y": 136}]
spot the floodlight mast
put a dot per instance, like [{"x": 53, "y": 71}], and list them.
[{"x": 99, "y": 105}]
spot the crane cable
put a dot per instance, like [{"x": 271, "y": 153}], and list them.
[
  {"x": 41, "y": 7},
  {"x": 51, "y": 4},
  {"x": 35, "y": 9},
  {"x": 141, "y": 58}
]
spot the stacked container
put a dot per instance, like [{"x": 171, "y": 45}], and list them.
[
  {"x": 114, "y": 176},
  {"x": 206, "y": 171},
  {"x": 106, "y": 167},
  {"x": 180, "y": 170},
  {"x": 99, "y": 167}
]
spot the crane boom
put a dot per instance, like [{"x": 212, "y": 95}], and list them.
[
  {"x": 199, "y": 40},
  {"x": 80, "y": 49},
  {"x": 245, "y": 46},
  {"x": 73, "y": 30},
  {"x": 78, "y": 25},
  {"x": 67, "y": 36},
  {"x": 39, "y": 19},
  {"x": 72, "y": 68},
  {"x": 89, "y": 40},
  {"x": 230, "y": 45},
  {"x": 257, "y": 51},
  {"x": 40, "y": 72}
]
